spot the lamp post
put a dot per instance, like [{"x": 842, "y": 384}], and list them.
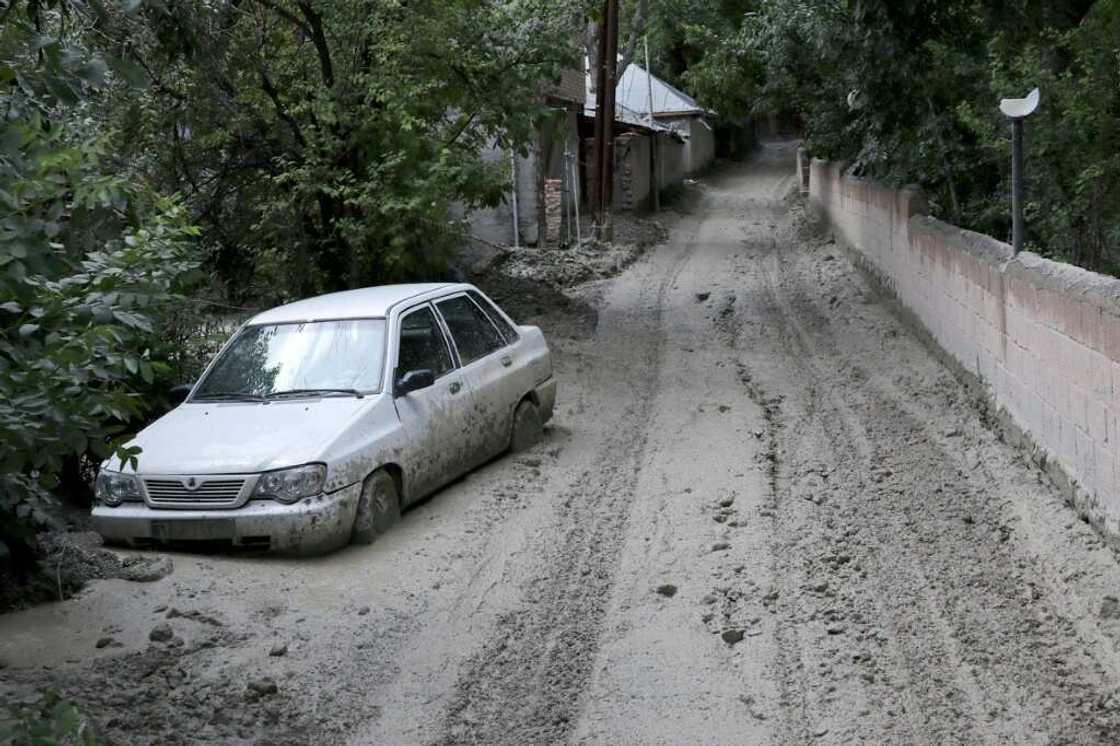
[{"x": 1018, "y": 109}]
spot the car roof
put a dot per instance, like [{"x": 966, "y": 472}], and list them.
[{"x": 375, "y": 302}]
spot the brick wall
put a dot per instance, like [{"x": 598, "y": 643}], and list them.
[{"x": 1042, "y": 337}]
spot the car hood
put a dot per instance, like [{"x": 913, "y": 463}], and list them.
[{"x": 244, "y": 437}]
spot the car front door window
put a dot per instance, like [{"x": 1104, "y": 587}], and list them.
[{"x": 422, "y": 344}]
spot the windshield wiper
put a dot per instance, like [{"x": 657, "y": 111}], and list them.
[
  {"x": 227, "y": 396},
  {"x": 298, "y": 392}
]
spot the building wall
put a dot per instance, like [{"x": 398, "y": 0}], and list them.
[
  {"x": 671, "y": 161},
  {"x": 545, "y": 161},
  {"x": 634, "y": 169},
  {"x": 701, "y": 145},
  {"x": 495, "y": 224},
  {"x": 699, "y": 141},
  {"x": 1042, "y": 337},
  {"x": 632, "y": 172}
]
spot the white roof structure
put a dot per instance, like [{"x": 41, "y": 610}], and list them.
[
  {"x": 634, "y": 89},
  {"x": 375, "y": 302},
  {"x": 632, "y": 98}
]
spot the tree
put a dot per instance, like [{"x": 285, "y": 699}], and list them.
[
  {"x": 87, "y": 260},
  {"x": 325, "y": 144},
  {"x": 698, "y": 45},
  {"x": 636, "y": 22},
  {"x": 907, "y": 91}
]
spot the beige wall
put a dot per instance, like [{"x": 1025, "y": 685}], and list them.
[
  {"x": 671, "y": 155},
  {"x": 699, "y": 141},
  {"x": 1043, "y": 337},
  {"x": 632, "y": 172},
  {"x": 545, "y": 161}
]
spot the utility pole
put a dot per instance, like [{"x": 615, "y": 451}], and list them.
[
  {"x": 606, "y": 84},
  {"x": 654, "y": 143}
]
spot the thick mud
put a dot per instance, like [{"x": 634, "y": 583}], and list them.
[{"x": 765, "y": 513}]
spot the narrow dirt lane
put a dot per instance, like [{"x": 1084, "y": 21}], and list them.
[
  {"x": 931, "y": 587},
  {"x": 634, "y": 545},
  {"x": 765, "y": 513}
]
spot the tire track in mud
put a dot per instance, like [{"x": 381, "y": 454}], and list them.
[
  {"x": 907, "y": 616},
  {"x": 841, "y": 454},
  {"x": 526, "y": 683}
]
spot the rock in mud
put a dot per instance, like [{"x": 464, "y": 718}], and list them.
[
  {"x": 363, "y": 611},
  {"x": 161, "y": 633},
  {"x": 667, "y": 589},
  {"x": 732, "y": 636},
  {"x": 262, "y": 687},
  {"x": 278, "y": 650},
  {"x": 701, "y": 297},
  {"x": 103, "y": 642},
  {"x": 147, "y": 569},
  {"x": 1110, "y": 608},
  {"x": 720, "y": 546}
]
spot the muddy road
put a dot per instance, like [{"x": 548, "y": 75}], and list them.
[{"x": 765, "y": 513}]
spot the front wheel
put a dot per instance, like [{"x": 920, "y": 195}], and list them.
[
  {"x": 527, "y": 427},
  {"x": 379, "y": 507}
]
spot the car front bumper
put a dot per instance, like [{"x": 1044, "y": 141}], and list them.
[{"x": 313, "y": 525}]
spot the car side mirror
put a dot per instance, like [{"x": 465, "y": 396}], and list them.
[
  {"x": 414, "y": 380},
  {"x": 178, "y": 394}
]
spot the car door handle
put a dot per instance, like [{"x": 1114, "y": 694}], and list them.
[
  {"x": 506, "y": 361},
  {"x": 455, "y": 387}
]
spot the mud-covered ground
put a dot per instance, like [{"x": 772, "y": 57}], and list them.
[{"x": 765, "y": 513}]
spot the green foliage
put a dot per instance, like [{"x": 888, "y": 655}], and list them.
[
  {"x": 88, "y": 261},
  {"x": 50, "y": 722},
  {"x": 908, "y": 92},
  {"x": 323, "y": 144},
  {"x": 696, "y": 45}
]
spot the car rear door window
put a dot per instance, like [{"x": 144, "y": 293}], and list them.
[
  {"x": 422, "y": 344},
  {"x": 474, "y": 335},
  {"x": 488, "y": 308}
]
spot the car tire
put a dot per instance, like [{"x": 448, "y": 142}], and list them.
[
  {"x": 527, "y": 427},
  {"x": 379, "y": 507}
]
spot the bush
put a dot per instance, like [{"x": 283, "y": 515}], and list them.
[
  {"x": 50, "y": 721},
  {"x": 89, "y": 263}
]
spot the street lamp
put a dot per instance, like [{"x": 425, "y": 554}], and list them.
[{"x": 1018, "y": 109}]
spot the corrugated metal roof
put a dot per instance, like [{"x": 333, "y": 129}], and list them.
[
  {"x": 632, "y": 97},
  {"x": 634, "y": 89}
]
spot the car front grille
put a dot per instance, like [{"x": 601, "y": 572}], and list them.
[{"x": 208, "y": 493}]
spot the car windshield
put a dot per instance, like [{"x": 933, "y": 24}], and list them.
[{"x": 321, "y": 357}]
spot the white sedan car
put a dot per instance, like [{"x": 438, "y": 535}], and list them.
[{"x": 319, "y": 420}]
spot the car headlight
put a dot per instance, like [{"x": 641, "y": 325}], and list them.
[
  {"x": 113, "y": 488},
  {"x": 290, "y": 485}
]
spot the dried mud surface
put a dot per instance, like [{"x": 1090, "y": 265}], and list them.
[{"x": 765, "y": 513}]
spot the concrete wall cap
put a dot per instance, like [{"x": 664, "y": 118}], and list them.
[
  {"x": 979, "y": 245},
  {"x": 1100, "y": 290}
]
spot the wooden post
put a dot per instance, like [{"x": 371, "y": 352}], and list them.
[{"x": 606, "y": 84}]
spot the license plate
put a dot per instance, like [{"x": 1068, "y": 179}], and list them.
[{"x": 192, "y": 530}]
